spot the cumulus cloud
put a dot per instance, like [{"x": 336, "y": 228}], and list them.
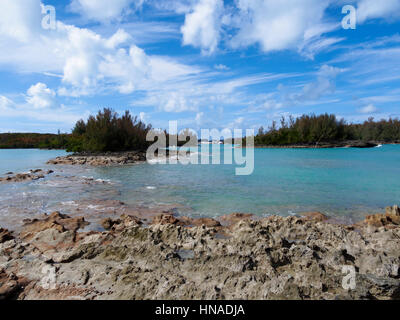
[
  {"x": 279, "y": 25},
  {"x": 369, "y": 109},
  {"x": 87, "y": 62},
  {"x": 18, "y": 19},
  {"x": 202, "y": 25},
  {"x": 104, "y": 10},
  {"x": 41, "y": 97},
  {"x": 372, "y": 9}
]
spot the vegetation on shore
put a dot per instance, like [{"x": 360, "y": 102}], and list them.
[
  {"x": 33, "y": 141},
  {"x": 313, "y": 130},
  {"x": 107, "y": 131}
]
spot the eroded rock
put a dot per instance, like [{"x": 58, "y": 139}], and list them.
[
  {"x": 5, "y": 235},
  {"x": 56, "y": 221},
  {"x": 271, "y": 258}
]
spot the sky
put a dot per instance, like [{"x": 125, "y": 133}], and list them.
[{"x": 204, "y": 63}]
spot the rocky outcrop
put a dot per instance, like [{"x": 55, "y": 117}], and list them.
[
  {"x": 97, "y": 160},
  {"x": 5, "y": 235},
  {"x": 56, "y": 221},
  {"x": 314, "y": 216},
  {"x": 391, "y": 219},
  {"x": 118, "y": 225},
  {"x": 271, "y": 258},
  {"x": 33, "y": 175},
  {"x": 233, "y": 218}
]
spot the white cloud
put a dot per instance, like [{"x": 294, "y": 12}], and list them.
[
  {"x": 104, "y": 10},
  {"x": 372, "y": 9},
  {"x": 279, "y": 25},
  {"x": 41, "y": 97},
  {"x": 202, "y": 25},
  {"x": 368, "y": 109},
  {"x": 5, "y": 103},
  {"x": 18, "y": 19},
  {"x": 65, "y": 117},
  {"x": 221, "y": 67},
  {"x": 199, "y": 118},
  {"x": 325, "y": 84},
  {"x": 143, "y": 117},
  {"x": 88, "y": 62}
]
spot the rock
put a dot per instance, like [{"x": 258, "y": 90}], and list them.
[
  {"x": 55, "y": 221},
  {"x": 390, "y": 219},
  {"x": 165, "y": 219},
  {"x": 9, "y": 286},
  {"x": 22, "y": 177},
  {"x": 119, "y": 225},
  {"x": 5, "y": 235},
  {"x": 96, "y": 160},
  {"x": 208, "y": 222},
  {"x": 314, "y": 216},
  {"x": 362, "y": 144},
  {"x": 235, "y": 218},
  {"x": 271, "y": 258}
]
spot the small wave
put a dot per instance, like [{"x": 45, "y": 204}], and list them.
[
  {"x": 93, "y": 207},
  {"x": 151, "y": 188},
  {"x": 69, "y": 203},
  {"x": 103, "y": 181}
]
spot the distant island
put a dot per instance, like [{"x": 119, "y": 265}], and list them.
[{"x": 109, "y": 132}]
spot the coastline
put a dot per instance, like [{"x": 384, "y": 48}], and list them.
[
  {"x": 173, "y": 258},
  {"x": 347, "y": 144},
  {"x": 157, "y": 254}
]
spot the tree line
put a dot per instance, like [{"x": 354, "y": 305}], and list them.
[
  {"x": 107, "y": 131},
  {"x": 326, "y": 128}
]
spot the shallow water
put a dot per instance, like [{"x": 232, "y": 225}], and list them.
[{"x": 344, "y": 183}]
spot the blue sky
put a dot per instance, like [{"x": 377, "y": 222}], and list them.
[{"x": 205, "y": 63}]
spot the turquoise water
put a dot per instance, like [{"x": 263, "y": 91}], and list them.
[
  {"x": 344, "y": 183},
  {"x": 22, "y": 160},
  {"x": 339, "y": 182}
]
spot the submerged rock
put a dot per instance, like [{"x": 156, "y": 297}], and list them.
[{"x": 33, "y": 175}]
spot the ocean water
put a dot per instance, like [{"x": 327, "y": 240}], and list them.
[{"x": 344, "y": 183}]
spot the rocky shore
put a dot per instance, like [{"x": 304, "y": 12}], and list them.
[
  {"x": 33, "y": 175},
  {"x": 172, "y": 257},
  {"x": 101, "y": 159}
]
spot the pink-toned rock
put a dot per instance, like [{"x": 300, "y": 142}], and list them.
[
  {"x": 165, "y": 219},
  {"x": 120, "y": 224},
  {"x": 314, "y": 216},
  {"x": 234, "y": 218},
  {"x": 55, "y": 221}
]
